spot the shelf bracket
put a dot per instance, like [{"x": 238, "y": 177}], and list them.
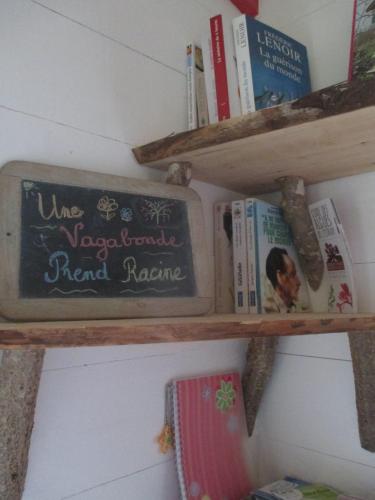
[
  {"x": 296, "y": 214},
  {"x": 19, "y": 382},
  {"x": 362, "y": 347}
]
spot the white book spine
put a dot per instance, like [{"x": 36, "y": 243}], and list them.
[
  {"x": 191, "y": 101},
  {"x": 251, "y": 256},
  {"x": 209, "y": 79},
  {"x": 241, "y": 288},
  {"x": 232, "y": 73},
  {"x": 244, "y": 71}
]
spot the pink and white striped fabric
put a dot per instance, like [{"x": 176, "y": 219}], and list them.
[{"x": 210, "y": 432}]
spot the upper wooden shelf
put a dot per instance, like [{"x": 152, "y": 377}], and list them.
[
  {"x": 323, "y": 136},
  {"x": 155, "y": 330}
]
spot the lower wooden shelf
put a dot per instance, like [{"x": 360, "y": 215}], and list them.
[{"x": 181, "y": 329}]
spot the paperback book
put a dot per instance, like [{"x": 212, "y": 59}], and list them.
[
  {"x": 225, "y": 69},
  {"x": 209, "y": 78},
  {"x": 334, "y": 247},
  {"x": 280, "y": 285},
  {"x": 272, "y": 67},
  {"x": 240, "y": 259},
  {"x": 224, "y": 286},
  {"x": 196, "y": 97}
]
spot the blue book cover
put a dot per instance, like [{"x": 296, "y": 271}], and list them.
[{"x": 273, "y": 67}]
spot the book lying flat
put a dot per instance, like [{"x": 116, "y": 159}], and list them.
[{"x": 210, "y": 431}]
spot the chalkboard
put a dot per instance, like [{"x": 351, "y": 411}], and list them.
[{"x": 83, "y": 242}]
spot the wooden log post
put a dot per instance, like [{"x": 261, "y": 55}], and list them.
[
  {"x": 296, "y": 214},
  {"x": 362, "y": 346},
  {"x": 260, "y": 357},
  {"x": 19, "y": 381}
]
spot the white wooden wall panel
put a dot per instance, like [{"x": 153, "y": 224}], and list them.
[
  {"x": 82, "y": 79},
  {"x": 97, "y": 417}
]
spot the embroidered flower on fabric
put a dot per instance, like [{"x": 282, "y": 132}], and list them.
[
  {"x": 225, "y": 396},
  {"x": 195, "y": 489}
]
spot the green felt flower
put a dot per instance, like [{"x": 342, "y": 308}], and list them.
[{"x": 225, "y": 396}]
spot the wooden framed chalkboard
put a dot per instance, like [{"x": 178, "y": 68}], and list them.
[{"x": 77, "y": 245}]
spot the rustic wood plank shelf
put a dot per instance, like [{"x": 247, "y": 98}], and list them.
[
  {"x": 323, "y": 136},
  {"x": 184, "y": 329}
]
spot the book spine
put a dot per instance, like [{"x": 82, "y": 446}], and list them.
[
  {"x": 191, "y": 105},
  {"x": 224, "y": 294},
  {"x": 241, "y": 288},
  {"x": 200, "y": 89},
  {"x": 220, "y": 67},
  {"x": 258, "y": 283},
  {"x": 245, "y": 76},
  {"x": 209, "y": 78},
  {"x": 251, "y": 259}
]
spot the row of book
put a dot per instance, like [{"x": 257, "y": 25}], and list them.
[
  {"x": 257, "y": 268},
  {"x": 241, "y": 68}
]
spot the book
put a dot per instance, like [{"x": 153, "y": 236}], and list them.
[
  {"x": 223, "y": 231},
  {"x": 209, "y": 78},
  {"x": 190, "y": 64},
  {"x": 272, "y": 67},
  {"x": 292, "y": 489},
  {"x": 240, "y": 264},
  {"x": 362, "y": 51},
  {"x": 196, "y": 88},
  {"x": 251, "y": 258},
  {"x": 342, "y": 297},
  {"x": 210, "y": 435},
  {"x": 225, "y": 69},
  {"x": 280, "y": 283}
]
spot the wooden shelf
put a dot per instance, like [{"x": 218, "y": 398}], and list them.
[
  {"x": 155, "y": 330},
  {"x": 323, "y": 136}
]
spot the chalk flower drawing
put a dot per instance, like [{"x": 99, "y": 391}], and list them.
[
  {"x": 108, "y": 207},
  {"x": 156, "y": 210},
  {"x": 126, "y": 214}
]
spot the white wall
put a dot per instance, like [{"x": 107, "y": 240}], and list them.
[
  {"x": 307, "y": 425},
  {"x": 81, "y": 82}
]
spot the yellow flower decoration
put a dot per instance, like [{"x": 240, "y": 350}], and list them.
[{"x": 206, "y": 497}]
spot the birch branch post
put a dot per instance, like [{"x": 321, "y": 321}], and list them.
[{"x": 19, "y": 382}]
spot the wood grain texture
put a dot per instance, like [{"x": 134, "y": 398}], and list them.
[
  {"x": 323, "y": 136},
  {"x": 19, "y": 382},
  {"x": 183, "y": 329},
  {"x": 362, "y": 347},
  {"x": 13, "y": 307}
]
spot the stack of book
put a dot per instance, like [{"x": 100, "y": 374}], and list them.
[
  {"x": 242, "y": 68},
  {"x": 257, "y": 267}
]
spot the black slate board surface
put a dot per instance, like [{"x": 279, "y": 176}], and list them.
[{"x": 82, "y": 242}]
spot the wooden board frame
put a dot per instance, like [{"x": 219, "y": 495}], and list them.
[{"x": 16, "y": 308}]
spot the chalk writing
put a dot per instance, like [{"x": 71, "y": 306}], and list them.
[
  {"x": 84, "y": 242},
  {"x": 64, "y": 212}
]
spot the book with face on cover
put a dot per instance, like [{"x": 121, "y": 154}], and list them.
[
  {"x": 280, "y": 285},
  {"x": 210, "y": 435}
]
